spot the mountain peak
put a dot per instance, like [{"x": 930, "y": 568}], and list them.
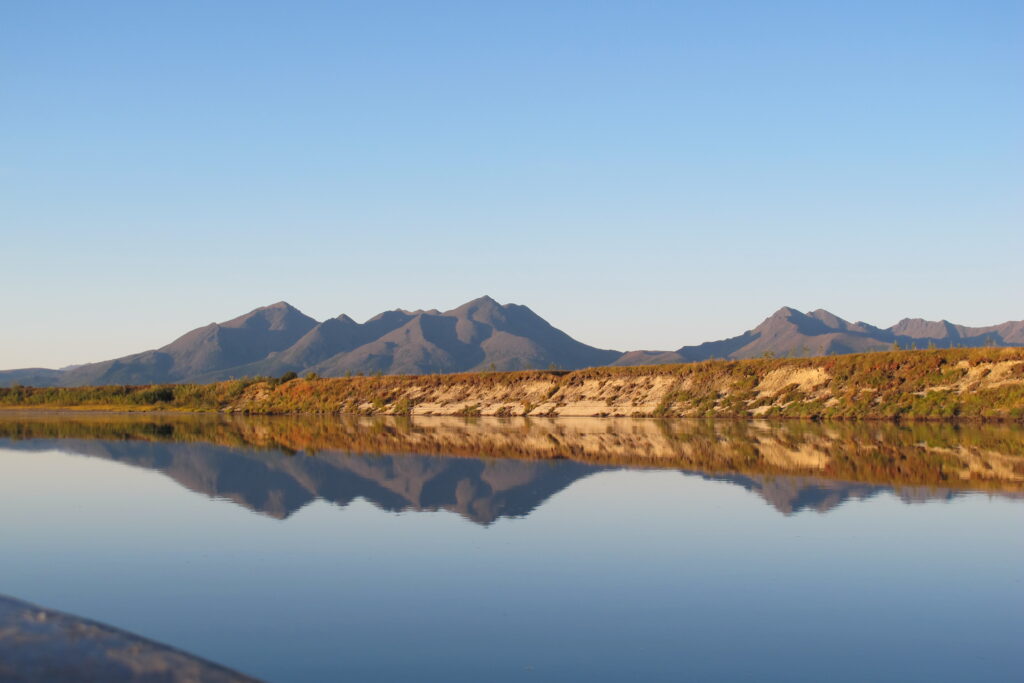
[
  {"x": 481, "y": 301},
  {"x": 829, "y": 319},
  {"x": 389, "y": 315},
  {"x": 276, "y": 316},
  {"x": 481, "y": 304},
  {"x": 919, "y": 328},
  {"x": 279, "y": 308},
  {"x": 782, "y": 316},
  {"x": 787, "y": 322}
]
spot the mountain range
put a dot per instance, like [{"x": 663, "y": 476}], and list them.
[{"x": 479, "y": 335}]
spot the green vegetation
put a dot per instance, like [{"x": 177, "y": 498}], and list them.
[
  {"x": 906, "y": 385},
  {"x": 188, "y": 397}
]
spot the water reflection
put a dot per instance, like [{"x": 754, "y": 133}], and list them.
[
  {"x": 485, "y": 469},
  {"x": 672, "y": 573}
]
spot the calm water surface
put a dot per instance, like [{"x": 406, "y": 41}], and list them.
[{"x": 323, "y": 550}]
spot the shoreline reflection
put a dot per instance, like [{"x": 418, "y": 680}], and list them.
[{"x": 486, "y": 469}]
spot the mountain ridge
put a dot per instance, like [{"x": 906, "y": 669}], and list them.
[{"x": 481, "y": 334}]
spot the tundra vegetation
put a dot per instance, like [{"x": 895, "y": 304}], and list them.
[{"x": 941, "y": 384}]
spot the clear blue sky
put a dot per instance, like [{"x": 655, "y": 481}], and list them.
[{"x": 644, "y": 175}]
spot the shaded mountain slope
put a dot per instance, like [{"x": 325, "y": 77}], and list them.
[
  {"x": 477, "y": 335},
  {"x": 324, "y": 341}
]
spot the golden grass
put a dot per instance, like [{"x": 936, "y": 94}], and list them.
[{"x": 946, "y": 384}]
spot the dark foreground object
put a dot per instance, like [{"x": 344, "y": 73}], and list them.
[{"x": 38, "y": 644}]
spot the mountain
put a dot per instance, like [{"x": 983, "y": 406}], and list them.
[
  {"x": 788, "y": 332},
  {"x": 478, "y": 335},
  {"x": 945, "y": 333},
  {"x": 481, "y": 334},
  {"x": 202, "y": 351},
  {"x": 31, "y": 377}
]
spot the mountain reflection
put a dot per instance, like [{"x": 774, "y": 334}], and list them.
[{"x": 484, "y": 469}]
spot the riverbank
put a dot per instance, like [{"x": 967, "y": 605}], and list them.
[{"x": 946, "y": 384}]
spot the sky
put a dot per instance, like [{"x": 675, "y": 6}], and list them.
[{"x": 641, "y": 174}]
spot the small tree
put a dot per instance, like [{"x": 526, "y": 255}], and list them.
[{"x": 288, "y": 377}]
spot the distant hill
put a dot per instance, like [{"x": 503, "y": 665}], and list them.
[
  {"x": 788, "y": 332},
  {"x": 479, "y": 335},
  {"x": 30, "y": 377}
]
